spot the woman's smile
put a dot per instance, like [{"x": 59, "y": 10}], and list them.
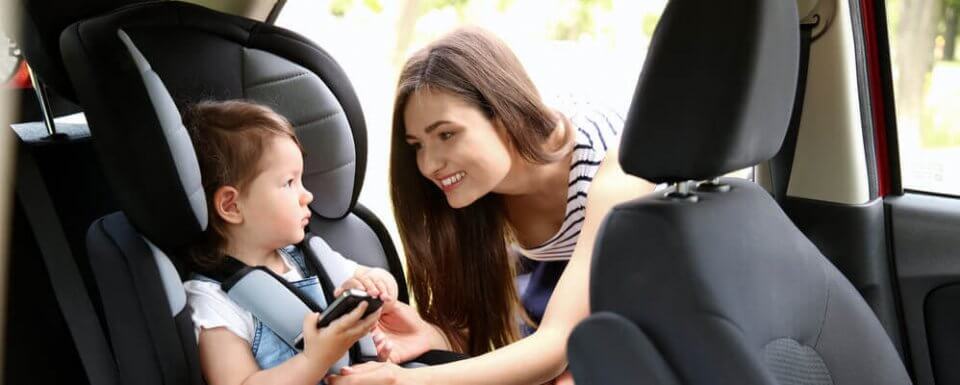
[{"x": 451, "y": 181}]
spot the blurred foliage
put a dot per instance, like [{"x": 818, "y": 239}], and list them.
[
  {"x": 581, "y": 20},
  {"x": 429, "y": 5},
  {"x": 339, "y": 8},
  {"x": 940, "y": 119},
  {"x": 650, "y": 21}
]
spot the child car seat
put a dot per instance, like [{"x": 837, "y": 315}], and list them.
[{"x": 133, "y": 70}]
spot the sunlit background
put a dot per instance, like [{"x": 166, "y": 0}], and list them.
[
  {"x": 926, "y": 76},
  {"x": 589, "y": 50}
]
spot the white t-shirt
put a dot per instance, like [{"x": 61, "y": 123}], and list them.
[{"x": 212, "y": 307}]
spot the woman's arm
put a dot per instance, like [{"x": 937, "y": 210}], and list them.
[{"x": 541, "y": 356}]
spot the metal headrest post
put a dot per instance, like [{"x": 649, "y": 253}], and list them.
[
  {"x": 681, "y": 191},
  {"x": 40, "y": 89},
  {"x": 713, "y": 185}
]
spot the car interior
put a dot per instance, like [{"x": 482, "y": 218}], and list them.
[
  {"x": 822, "y": 268},
  {"x": 744, "y": 283}
]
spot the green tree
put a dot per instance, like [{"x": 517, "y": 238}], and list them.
[
  {"x": 339, "y": 8},
  {"x": 915, "y": 34},
  {"x": 951, "y": 24},
  {"x": 581, "y": 21},
  {"x": 412, "y": 11}
]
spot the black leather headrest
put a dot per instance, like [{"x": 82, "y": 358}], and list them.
[
  {"x": 42, "y": 22},
  {"x": 716, "y": 91},
  {"x": 135, "y": 68}
]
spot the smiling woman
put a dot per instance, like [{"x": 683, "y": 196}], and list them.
[
  {"x": 486, "y": 179},
  {"x": 469, "y": 133}
]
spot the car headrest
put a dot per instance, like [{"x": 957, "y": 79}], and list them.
[
  {"x": 42, "y": 22},
  {"x": 135, "y": 69},
  {"x": 716, "y": 90}
]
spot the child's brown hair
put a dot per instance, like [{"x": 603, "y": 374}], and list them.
[{"x": 229, "y": 137}]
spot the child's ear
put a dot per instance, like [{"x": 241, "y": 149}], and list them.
[{"x": 226, "y": 202}]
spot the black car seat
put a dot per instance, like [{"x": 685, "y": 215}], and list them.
[
  {"x": 714, "y": 284},
  {"x": 133, "y": 70}
]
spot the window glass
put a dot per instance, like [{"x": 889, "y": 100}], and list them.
[
  {"x": 590, "y": 50},
  {"x": 926, "y": 78}
]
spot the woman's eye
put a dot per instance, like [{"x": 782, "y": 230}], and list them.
[
  {"x": 446, "y": 135},
  {"x": 416, "y": 146}
]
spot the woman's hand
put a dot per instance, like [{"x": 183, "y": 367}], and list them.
[
  {"x": 405, "y": 334},
  {"x": 375, "y": 373}
]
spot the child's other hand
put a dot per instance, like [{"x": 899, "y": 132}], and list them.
[
  {"x": 327, "y": 345},
  {"x": 377, "y": 282}
]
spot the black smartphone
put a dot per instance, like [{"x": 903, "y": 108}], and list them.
[{"x": 345, "y": 303}]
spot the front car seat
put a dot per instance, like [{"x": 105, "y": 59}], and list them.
[
  {"x": 133, "y": 70},
  {"x": 714, "y": 284}
]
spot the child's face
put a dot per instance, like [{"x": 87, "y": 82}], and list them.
[{"x": 274, "y": 204}]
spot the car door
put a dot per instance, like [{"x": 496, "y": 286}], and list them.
[{"x": 917, "y": 91}]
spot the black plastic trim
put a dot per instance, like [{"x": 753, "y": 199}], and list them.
[
  {"x": 889, "y": 102},
  {"x": 865, "y": 98},
  {"x": 942, "y": 316},
  {"x": 923, "y": 231}
]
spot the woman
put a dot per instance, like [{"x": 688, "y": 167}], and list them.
[{"x": 481, "y": 168}]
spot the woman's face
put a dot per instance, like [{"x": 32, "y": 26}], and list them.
[{"x": 458, "y": 149}]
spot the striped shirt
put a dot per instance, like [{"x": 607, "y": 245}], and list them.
[{"x": 596, "y": 130}]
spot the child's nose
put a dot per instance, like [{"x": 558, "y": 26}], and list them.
[{"x": 306, "y": 197}]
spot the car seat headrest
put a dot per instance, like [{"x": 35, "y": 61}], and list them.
[
  {"x": 193, "y": 54},
  {"x": 42, "y": 22},
  {"x": 716, "y": 91}
]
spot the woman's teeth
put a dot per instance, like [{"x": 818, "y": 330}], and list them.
[{"x": 453, "y": 179}]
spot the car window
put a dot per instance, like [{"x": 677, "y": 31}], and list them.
[
  {"x": 589, "y": 50},
  {"x": 926, "y": 82}
]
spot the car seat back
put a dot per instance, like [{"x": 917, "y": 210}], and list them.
[
  {"x": 134, "y": 70},
  {"x": 714, "y": 284}
]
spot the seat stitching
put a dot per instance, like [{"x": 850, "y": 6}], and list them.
[
  {"x": 317, "y": 120},
  {"x": 283, "y": 79},
  {"x": 339, "y": 166}
]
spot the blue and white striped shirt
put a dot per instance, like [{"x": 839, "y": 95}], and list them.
[{"x": 596, "y": 130}]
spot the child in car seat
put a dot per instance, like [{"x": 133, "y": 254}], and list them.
[{"x": 251, "y": 165}]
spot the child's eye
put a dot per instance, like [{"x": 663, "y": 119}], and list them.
[{"x": 289, "y": 183}]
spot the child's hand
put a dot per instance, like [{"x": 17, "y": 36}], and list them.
[
  {"x": 377, "y": 282},
  {"x": 326, "y": 345}
]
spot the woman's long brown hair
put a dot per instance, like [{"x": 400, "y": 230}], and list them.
[{"x": 458, "y": 263}]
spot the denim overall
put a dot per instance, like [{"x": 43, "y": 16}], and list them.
[{"x": 268, "y": 348}]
